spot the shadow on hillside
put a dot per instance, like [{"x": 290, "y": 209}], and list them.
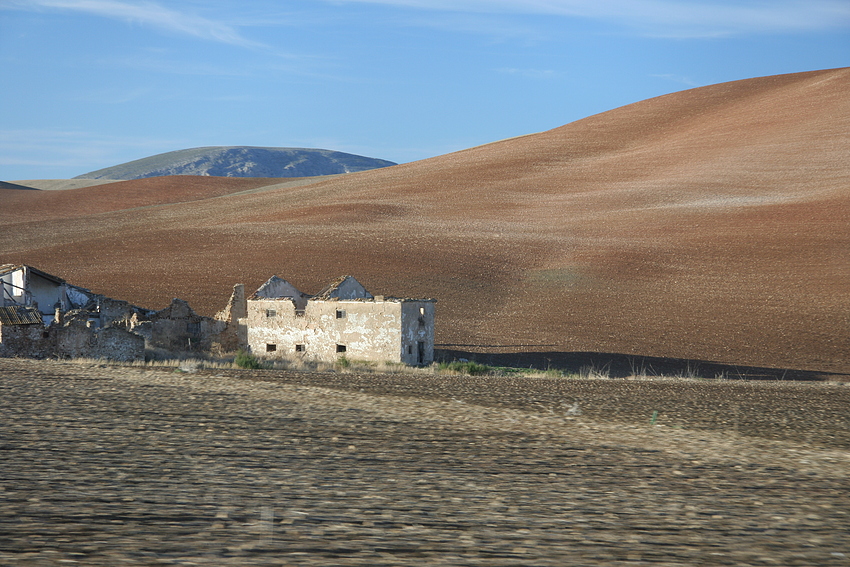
[{"x": 616, "y": 365}]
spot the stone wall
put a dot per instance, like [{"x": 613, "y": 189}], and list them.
[
  {"x": 177, "y": 328},
  {"x": 72, "y": 338},
  {"x": 114, "y": 343},
  {"x": 367, "y": 329},
  {"x": 23, "y": 340},
  {"x": 236, "y": 308},
  {"x": 75, "y": 338}
]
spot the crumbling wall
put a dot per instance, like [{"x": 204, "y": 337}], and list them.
[
  {"x": 114, "y": 343},
  {"x": 24, "y": 340},
  {"x": 117, "y": 311},
  {"x": 279, "y": 288},
  {"x": 76, "y": 337},
  {"x": 418, "y": 332},
  {"x": 236, "y": 309},
  {"x": 72, "y": 338},
  {"x": 178, "y": 328}
]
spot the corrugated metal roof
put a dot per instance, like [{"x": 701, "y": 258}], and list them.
[{"x": 20, "y": 315}]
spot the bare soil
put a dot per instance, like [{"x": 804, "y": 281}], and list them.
[
  {"x": 108, "y": 465},
  {"x": 711, "y": 224}
]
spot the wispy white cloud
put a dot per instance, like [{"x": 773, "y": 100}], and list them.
[
  {"x": 146, "y": 13},
  {"x": 73, "y": 149},
  {"x": 164, "y": 64},
  {"x": 663, "y": 17}
]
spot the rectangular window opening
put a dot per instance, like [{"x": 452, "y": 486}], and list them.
[
  {"x": 299, "y": 348},
  {"x": 271, "y": 313},
  {"x": 340, "y": 348},
  {"x": 299, "y": 312},
  {"x": 340, "y": 314},
  {"x": 270, "y": 347}
]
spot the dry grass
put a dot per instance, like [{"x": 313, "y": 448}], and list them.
[{"x": 190, "y": 363}]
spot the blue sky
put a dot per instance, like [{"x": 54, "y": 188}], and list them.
[{"x": 93, "y": 83}]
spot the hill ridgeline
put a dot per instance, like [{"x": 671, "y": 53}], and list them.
[{"x": 240, "y": 161}]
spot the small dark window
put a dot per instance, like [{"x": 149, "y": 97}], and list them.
[
  {"x": 340, "y": 314},
  {"x": 340, "y": 348},
  {"x": 271, "y": 313},
  {"x": 409, "y": 349},
  {"x": 299, "y": 348},
  {"x": 271, "y": 347},
  {"x": 422, "y": 321}
]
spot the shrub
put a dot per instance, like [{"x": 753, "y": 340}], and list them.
[
  {"x": 247, "y": 360},
  {"x": 343, "y": 362},
  {"x": 470, "y": 367}
]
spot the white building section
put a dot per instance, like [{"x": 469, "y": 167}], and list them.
[{"x": 342, "y": 320}]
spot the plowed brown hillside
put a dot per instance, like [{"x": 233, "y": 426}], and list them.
[{"x": 710, "y": 224}]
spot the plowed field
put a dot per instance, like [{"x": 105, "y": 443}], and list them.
[{"x": 130, "y": 466}]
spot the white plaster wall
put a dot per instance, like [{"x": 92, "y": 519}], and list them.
[
  {"x": 12, "y": 292},
  {"x": 370, "y": 330},
  {"x": 46, "y": 293},
  {"x": 18, "y": 286}
]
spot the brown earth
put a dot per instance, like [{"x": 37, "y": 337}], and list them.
[
  {"x": 711, "y": 224},
  {"x": 138, "y": 466}
]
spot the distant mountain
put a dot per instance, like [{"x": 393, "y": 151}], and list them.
[{"x": 240, "y": 161}]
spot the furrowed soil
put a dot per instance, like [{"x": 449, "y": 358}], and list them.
[{"x": 110, "y": 465}]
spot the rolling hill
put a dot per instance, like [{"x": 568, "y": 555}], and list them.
[
  {"x": 709, "y": 224},
  {"x": 240, "y": 161}
]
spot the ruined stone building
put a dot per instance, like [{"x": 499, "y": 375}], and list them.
[
  {"x": 21, "y": 331},
  {"x": 341, "y": 320},
  {"x": 42, "y": 315},
  {"x": 25, "y": 286}
]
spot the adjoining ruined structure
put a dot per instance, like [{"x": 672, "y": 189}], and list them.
[
  {"x": 178, "y": 328},
  {"x": 230, "y": 338},
  {"x": 42, "y": 316},
  {"x": 22, "y": 333},
  {"x": 25, "y": 286},
  {"x": 342, "y": 320}
]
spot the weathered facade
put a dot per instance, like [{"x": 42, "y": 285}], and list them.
[
  {"x": 342, "y": 320},
  {"x": 21, "y": 331},
  {"x": 177, "y": 328},
  {"x": 71, "y": 335},
  {"x": 43, "y": 316},
  {"x": 67, "y": 321},
  {"x": 25, "y": 286}
]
